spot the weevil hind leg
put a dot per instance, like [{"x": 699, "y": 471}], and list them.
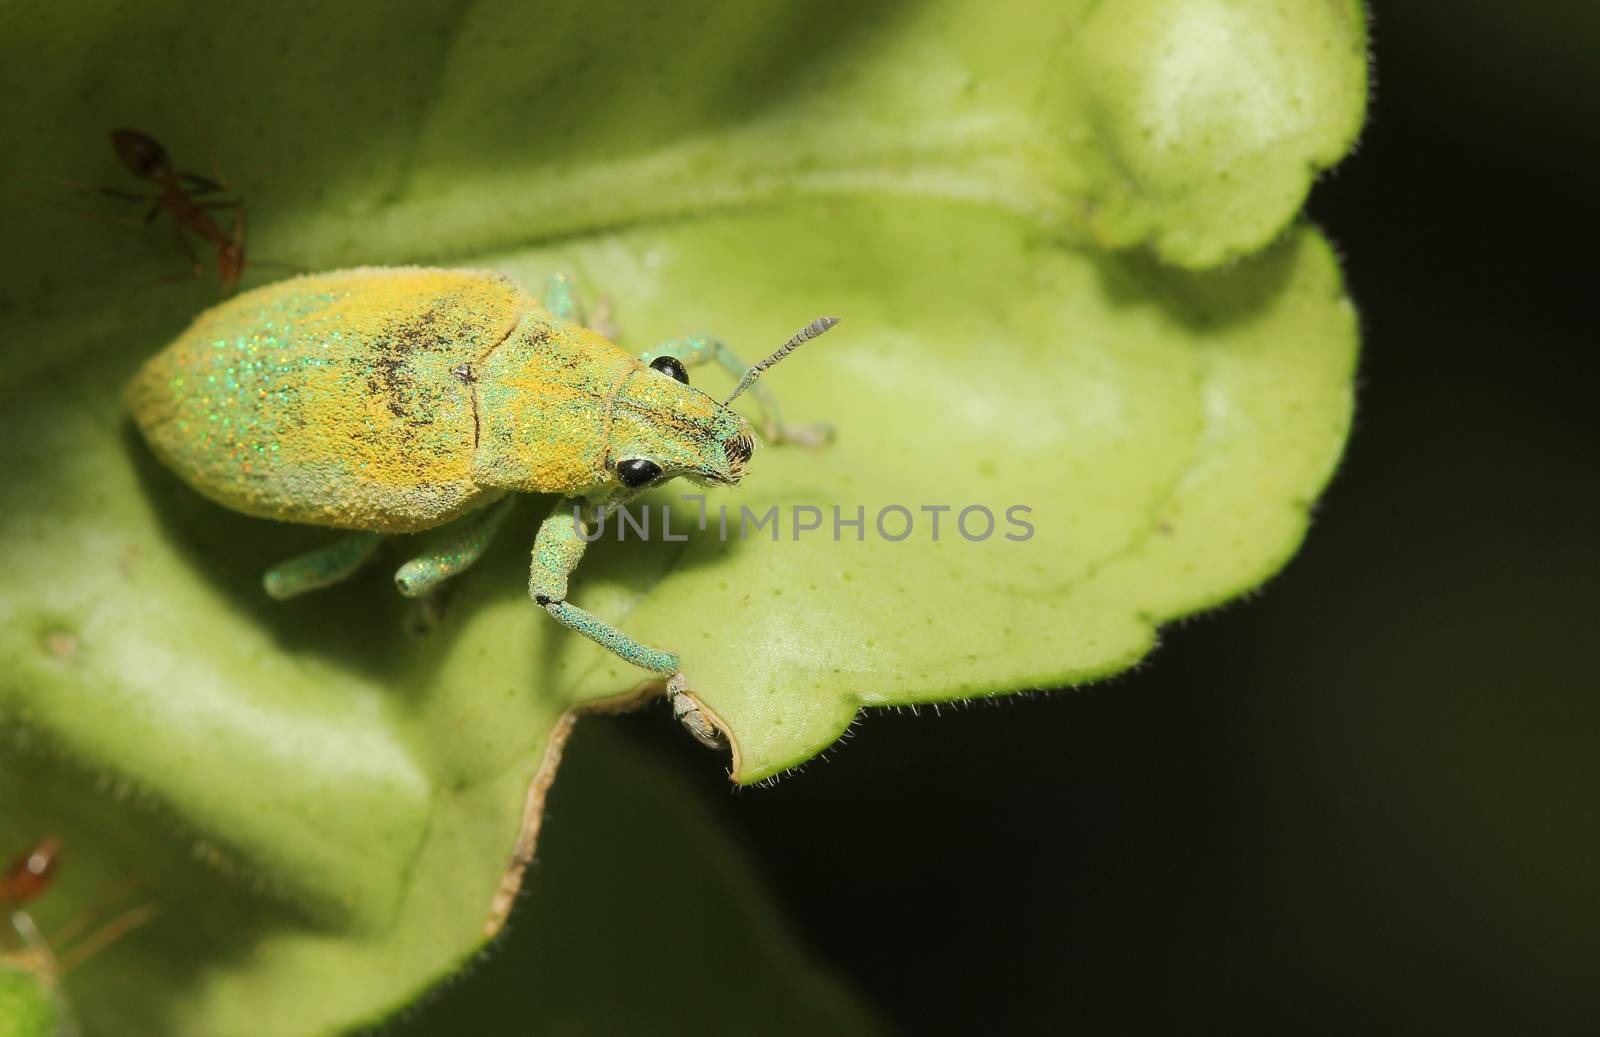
[
  {"x": 444, "y": 559},
  {"x": 697, "y": 350},
  {"x": 323, "y": 567},
  {"x": 561, "y": 299}
]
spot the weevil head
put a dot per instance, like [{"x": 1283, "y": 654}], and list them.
[
  {"x": 558, "y": 409},
  {"x": 662, "y": 429},
  {"x": 141, "y": 153}
]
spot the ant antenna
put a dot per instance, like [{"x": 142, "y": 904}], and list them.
[{"x": 801, "y": 337}]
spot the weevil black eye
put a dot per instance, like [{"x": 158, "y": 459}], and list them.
[
  {"x": 636, "y": 472},
  {"x": 670, "y": 366}
]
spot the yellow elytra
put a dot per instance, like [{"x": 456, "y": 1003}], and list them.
[{"x": 398, "y": 400}]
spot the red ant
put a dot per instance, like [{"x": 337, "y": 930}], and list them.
[
  {"x": 180, "y": 193},
  {"x": 29, "y": 878},
  {"x": 146, "y": 159}
]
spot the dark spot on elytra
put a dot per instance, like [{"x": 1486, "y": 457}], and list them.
[
  {"x": 391, "y": 382},
  {"x": 390, "y": 376}
]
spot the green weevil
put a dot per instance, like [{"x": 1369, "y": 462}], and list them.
[{"x": 386, "y": 401}]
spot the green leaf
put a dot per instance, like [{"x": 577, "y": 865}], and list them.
[
  {"x": 641, "y": 918},
  {"x": 325, "y": 806},
  {"x": 27, "y": 1007}
]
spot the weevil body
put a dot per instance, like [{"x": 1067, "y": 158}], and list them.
[{"x": 398, "y": 400}]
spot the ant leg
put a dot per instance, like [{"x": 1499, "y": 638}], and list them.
[
  {"x": 188, "y": 250},
  {"x": 120, "y": 221},
  {"x": 89, "y": 916},
  {"x": 199, "y": 185},
  {"x": 205, "y": 142},
  {"x": 321, "y": 568},
  {"x": 217, "y": 180},
  {"x": 207, "y": 185},
  {"x": 105, "y": 936},
  {"x": 700, "y": 349},
  {"x": 83, "y": 188}
]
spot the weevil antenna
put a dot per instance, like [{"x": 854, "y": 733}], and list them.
[{"x": 800, "y": 338}]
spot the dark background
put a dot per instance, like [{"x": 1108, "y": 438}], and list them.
[{"x": 1364, "y": 797}]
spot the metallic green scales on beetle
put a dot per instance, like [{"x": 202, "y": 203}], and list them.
[{"x": 390, "y": 401}]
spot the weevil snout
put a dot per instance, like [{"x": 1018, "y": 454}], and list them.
[
  {"x": 738, "y": 442},
  {"x": 738, "y": 450}
]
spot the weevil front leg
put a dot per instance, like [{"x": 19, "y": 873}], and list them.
[
  {"x": 323, "y": 567},
  {"x": 462, "y": 548},
  {"x": 557, "y": 550},
  {"x": 700, "y": 349}
]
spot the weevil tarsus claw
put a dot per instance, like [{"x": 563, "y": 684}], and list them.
[{"x": 686, "y": 708}]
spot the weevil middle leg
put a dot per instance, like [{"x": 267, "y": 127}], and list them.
[
  {"x": 324, "y": 567},
  {"x": 701, "y": 349},
  {"x": 561, "y": 299},
  {"x": 454, "y": 553}
]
